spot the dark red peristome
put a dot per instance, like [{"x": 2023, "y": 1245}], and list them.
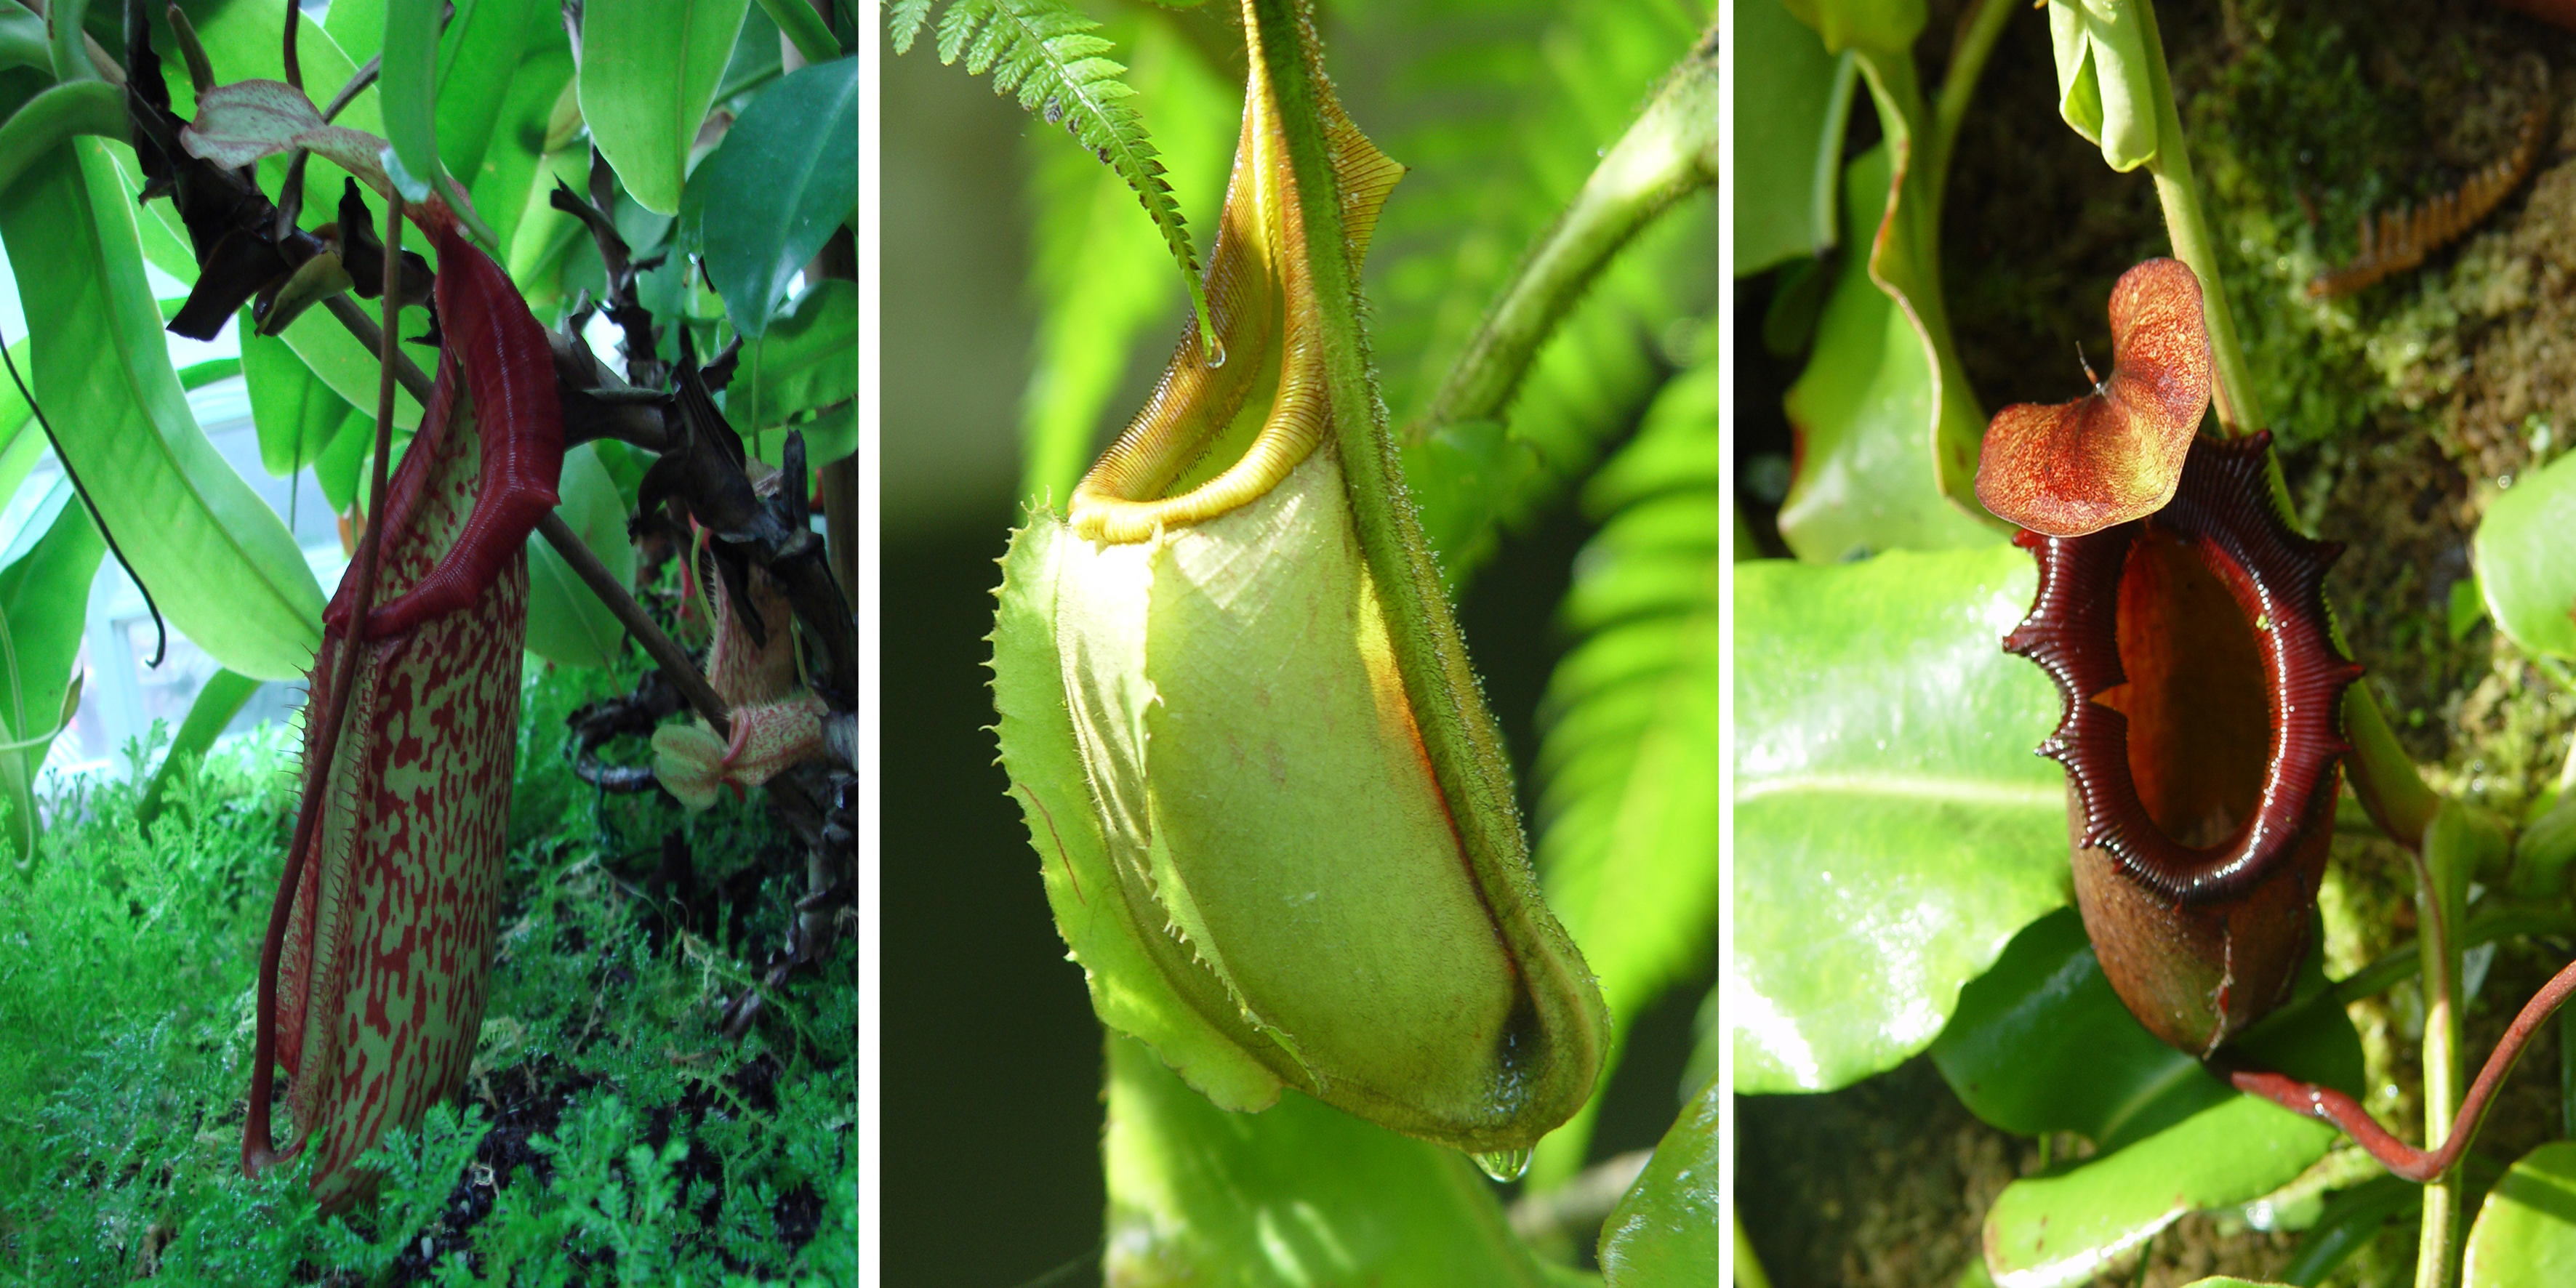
[
  {"x": 509, "y": 366},
  {"x": 2200, "y": 935}
]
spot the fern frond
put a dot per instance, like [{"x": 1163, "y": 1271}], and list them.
[
  {"x": 1045, "y": 53},
  {"x": 1629, "y": 764},
  {"x": 1095, "y": 270},
  {"x": 1509, "y": 127},
  {"x": 903, "y": 22}
]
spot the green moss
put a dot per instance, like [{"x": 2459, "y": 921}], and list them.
[{"x": 609, "y": 1132}]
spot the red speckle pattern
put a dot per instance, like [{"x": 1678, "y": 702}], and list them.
[{"x": 389, "y": 945}]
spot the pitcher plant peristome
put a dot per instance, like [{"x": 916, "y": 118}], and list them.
[{"x": 1277, "y": 825}]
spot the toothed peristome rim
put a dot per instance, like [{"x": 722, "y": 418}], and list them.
[{"x": 2225, "y": 510}]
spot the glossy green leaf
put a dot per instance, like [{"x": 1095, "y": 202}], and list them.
[
  {"x": 217, "y": 703},
  {"x": 567, "y": 623},
  {"x": 44, "y": 604},
  {"x": 220, "y": 564},
  {"x": 358, "y": 25},
  {"x": 22, "y": 41},
  {"x": 2102, "y": 77},
  {"x": 478, "y": 62},
  {"x": 2526, "y": 1230},
  {"x": 51, "y": 119},
  {"x": 409, "y": 90},
  {"x": 1096, "y": 272},
  {"x": 1298, "y": 1194},
  {"x": 805, "y": 27},
  {"x": 1792, "y": 103},
  {"x": 1865, "y": 410},
  {"x": 1891, "y": 821},
  {"x": 809, "y": 360},
  {"x": 1669, "y": 1227},
  {"x": 1628, "y": 823},
  {"x": 337, "y": 470},
  {"x": 786, "y": 176},
  {"x": 2064, "y": 1228},
  {"x": 2041, "y": 1044},
  {"x": 2526, "y": 559},
  {"x": 514, "y": 159},
  {"x": 296, "y": 415},
  {"x": 648, "y": 73}
]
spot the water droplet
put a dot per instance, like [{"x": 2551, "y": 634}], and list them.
[
  {"x": 1215, "y": 352},
  {"x": 1503, "y": 1164}
]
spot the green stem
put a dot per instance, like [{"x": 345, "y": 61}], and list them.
[
  {"x": 1976, "y": 43},
  {"x": 1669, "y": 153},
  {"x": 2438, "y": 910},
  {"x": 2238, "y": 415},
  {"x": 2383, "y": 775}
]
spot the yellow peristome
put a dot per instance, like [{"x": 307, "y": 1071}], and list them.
[{"x": 1263, "y": 306}]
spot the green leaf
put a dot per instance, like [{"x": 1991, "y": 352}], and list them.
[
  {"x": 409, "y": 88},
  {"x": 1792, "y": 103},
  {"x": 52, "y": 118},
  {"x": 1492, "y": 171},
  {"x": 801, "y": 25},
  {"x": 786, "y": 176},
  {"x": 1871, "y": 404},
  {"x": 515, "y": 156},
  {"x": 44, "y": 604},
  {"x": 217, "y": 703},
  {"x": 1298, "y": 1194},
  {"x": 1668, "y": 1228},
  {"x": 23, "y": 42},
  {"x": 2526, "y": 1230},
  {"x": 2522, "y": 552},
  {"x": 2102, "y": 77},
  {"x": 1628, "y": 829},
  {"x": 296, "y": 415},
  {"x": 809, "y": 360},
  {"x": 567, "y": 623},
  {"x": 2041, "y": 1044},
  {"x": 478, "y": 62},
  {"x": 648, "y": 73},
  {"x": 1096, "y": 272},
  {"x": 1881, "y": 26},
  {"x": 220, "y": 564},
  {"x": 1891, "y": 820}
]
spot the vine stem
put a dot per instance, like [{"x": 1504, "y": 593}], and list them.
[
  {"x": 2233, "y": 397},
  {"x": 2438, "y": 902},
  {"x": 1975, "y": 43},
  {"x": 664, "y": 651},
  {"x": 1669, "y": 153}
]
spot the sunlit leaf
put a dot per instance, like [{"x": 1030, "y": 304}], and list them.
[
  {"x": 1297, "y": 1194},
  {"x": 1792, "y": 102},
  {"x": 2526, "y": 1229},
  {"x": 1890, "y": 820},
  {"x": 1669, "y": 1227},
  {"x": 2526, "y": 559},
  {"x": 219, "y": 562}
]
